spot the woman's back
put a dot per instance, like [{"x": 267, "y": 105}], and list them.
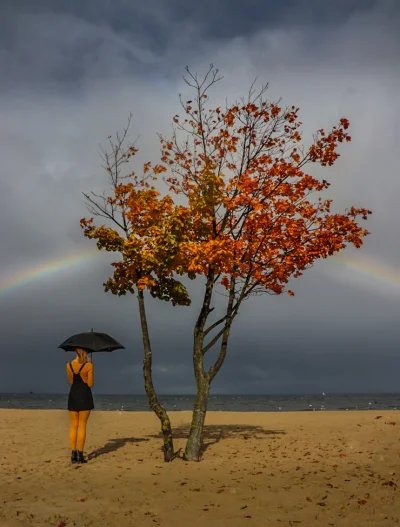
[{"x": 86, "y": 372}]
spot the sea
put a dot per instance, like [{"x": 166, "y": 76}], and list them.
[{"x": 217, "y": 403}]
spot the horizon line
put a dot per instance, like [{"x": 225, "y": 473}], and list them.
[{"x": 211, "y": 395}]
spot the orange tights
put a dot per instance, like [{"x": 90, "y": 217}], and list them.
[{"x": 77, "y": 431}]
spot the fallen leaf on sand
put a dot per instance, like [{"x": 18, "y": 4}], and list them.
[
  {"x": 83, "y": 499},
  {"x": 62, "y": 524},
  {"x": 379, "y": 417},
  {"x": 390, "y": 484},
  {"x": 321, "y": 503},
  {"x": 247, "y": 516},
  {"x": 244, "y": 507}
]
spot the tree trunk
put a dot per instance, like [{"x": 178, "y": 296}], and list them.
[
  {"x": 166, "y": 430},
  {"x": 194, "y": 445}
]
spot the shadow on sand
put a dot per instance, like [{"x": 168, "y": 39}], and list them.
[
  {"x": 212, "y": 434},
  {"x": 215, "y": 433},
  {"x": 113, "y": 445}
]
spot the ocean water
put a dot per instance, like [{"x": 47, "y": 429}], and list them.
[{"x": 225, "y": 403}]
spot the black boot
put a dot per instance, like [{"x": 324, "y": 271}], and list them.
[
  {"x": 74, "y": 456},
  {"x": 81, "y": 459}
]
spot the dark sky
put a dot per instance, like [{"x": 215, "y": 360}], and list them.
[{"x": 70, "y": 74}]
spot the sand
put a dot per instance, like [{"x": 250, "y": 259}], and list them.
[{"x": 300, "y": 469}]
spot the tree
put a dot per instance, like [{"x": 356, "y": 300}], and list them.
[
  {"x": 249, "y": 223},
  {"x": 136, "y": 213}
]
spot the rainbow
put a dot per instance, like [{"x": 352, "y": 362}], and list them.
[
  {"x": 41, "y": 270},
  {"x": 378, "y": 273}
]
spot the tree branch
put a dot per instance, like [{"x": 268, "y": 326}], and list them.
[
  {"x": 214, "y": 325},
  {"x": 214, "y": 340}
]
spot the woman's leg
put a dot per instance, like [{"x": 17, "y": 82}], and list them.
[
  {"x": 83, "y": 417},
  {"x": 73, "y": 430}
]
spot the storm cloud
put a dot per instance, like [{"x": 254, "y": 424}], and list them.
[{"x": 71, "y": 74}]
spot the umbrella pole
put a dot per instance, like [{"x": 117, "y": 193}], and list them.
[{"x": 91, "y": 354}]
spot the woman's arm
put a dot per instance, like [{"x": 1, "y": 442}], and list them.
[
  {"x": 69, "y": 374},
  {"x": 90, "y": 380}
]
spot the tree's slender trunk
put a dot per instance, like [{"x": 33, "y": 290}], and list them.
[
  {"x": 194, "y": 445},
  {"x": 166, "y": 430}
]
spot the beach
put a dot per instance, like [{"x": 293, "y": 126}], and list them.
[{"x": 338, "y": 469}]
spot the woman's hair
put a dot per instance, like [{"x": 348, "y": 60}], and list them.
[{"x": 81, "y": 355}]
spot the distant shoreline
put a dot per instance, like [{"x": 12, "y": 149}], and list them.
[
  {"x": 214, "y": 412},
  {"x": 217, "y": 403},
  {"x": 316, "y": 394}
]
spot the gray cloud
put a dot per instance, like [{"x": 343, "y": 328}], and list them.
[{"x": 73, "y": 72}]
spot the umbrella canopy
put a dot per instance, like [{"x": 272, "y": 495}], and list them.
[{"x": 91, "y": 341}]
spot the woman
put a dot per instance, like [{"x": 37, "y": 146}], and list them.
[{"x": 80, "y": 402}]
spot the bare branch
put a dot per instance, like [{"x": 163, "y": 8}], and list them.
[
  {"x": 214, "y": 325},
  {"x": 213, "y": 341}
]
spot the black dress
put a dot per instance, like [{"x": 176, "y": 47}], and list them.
[{"x": 80, "y": 395}]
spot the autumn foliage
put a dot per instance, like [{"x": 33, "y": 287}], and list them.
[{"x": 248, "y": 213}]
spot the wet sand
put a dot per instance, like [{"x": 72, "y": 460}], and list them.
[{"x": 305, "y": 469}]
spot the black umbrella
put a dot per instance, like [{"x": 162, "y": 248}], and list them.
[{"x": 91, "y": 341}]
